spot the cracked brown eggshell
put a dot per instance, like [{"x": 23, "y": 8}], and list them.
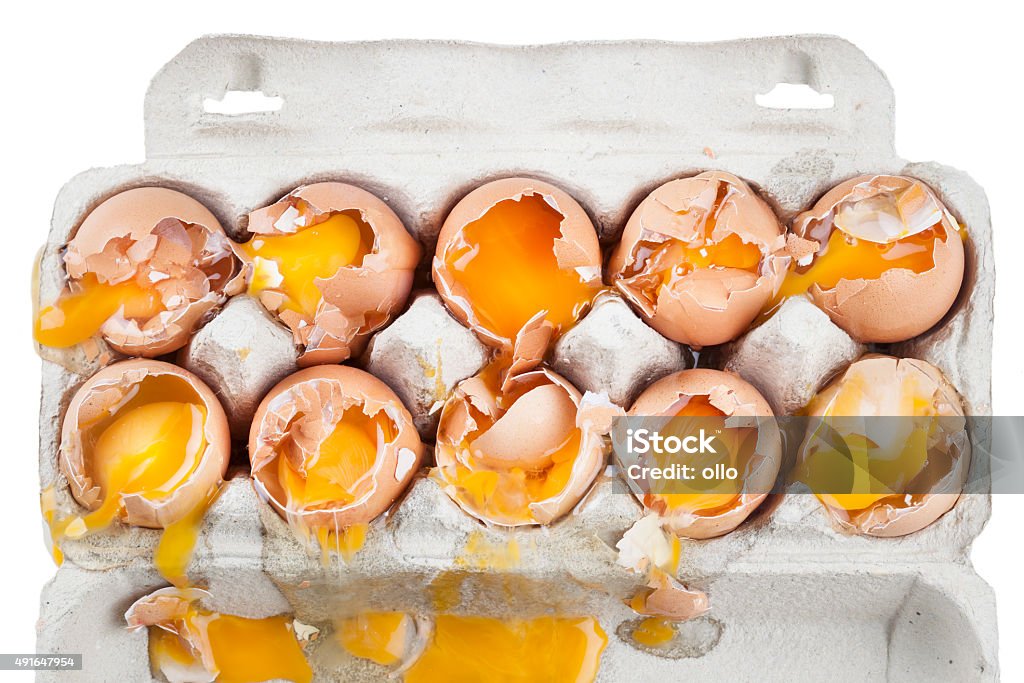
[
  {"x": 103, "y": 393},
  {"x": 358, "y": 299},
  {"x": 170, "y": 241},
  {"x": 735, "y": 398},
  {"x": 577, "y": 249},
  {"x": 901, "y": 303},
  {"x": 883, "y": 379},
  {"x": 523, "y": 435},
  {"x": 707, "y": 306},
  {"x": 303, "y": 410}
]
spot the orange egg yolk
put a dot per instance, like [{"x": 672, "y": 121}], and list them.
[
  {"x": 505, "y": 262},
  {"x": 336, "y": 474},
  {"x": 244, "y": 650},
  {"x": 714, "y": 496},
  {"x": 845, "y": 257},
  {"x": 675, "y": 259},
  {"x": 87, "y": 304},
  {"x": 871, "y": 469},
  {"x": 292, "y": 263},
  {"x": 488, "y": 650},
  {"x": 654, "y": 632},
  {"x": 506, "y": 493},
  {"x": 148, "y": 447}
]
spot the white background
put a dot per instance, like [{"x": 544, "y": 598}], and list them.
[{"x": 73, "y": 85}]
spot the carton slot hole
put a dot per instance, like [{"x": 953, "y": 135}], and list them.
[
  {"x": 794, "y": 96},
  {"x": 241, "y": 102}
]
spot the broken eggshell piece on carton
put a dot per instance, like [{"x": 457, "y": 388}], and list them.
[
  {"x": 332, "y": 447},
  {"x": 880, "y": 254},
  {"x": 698, "y": 258},
  {"x": 144, "y": 270},
  {"x": 334, "y": 263}
]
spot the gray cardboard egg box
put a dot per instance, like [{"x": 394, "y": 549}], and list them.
[{"x": 420, "y": 124}]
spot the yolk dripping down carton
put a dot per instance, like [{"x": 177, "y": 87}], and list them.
[{"x": 420, "y": 124}]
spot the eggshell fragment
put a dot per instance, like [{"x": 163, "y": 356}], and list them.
[
  {"x": 576, "y": 250},
  {"x": 901, "y": 303},
  {"x": 302, "y": 411},
  {"x": 358, "y": 299},
  {"x": 704, "y": 306},
  {"x": 736, "y": 399},
  {"x": 166, "y": 241},
  {"x": 102, "y": 395},
  {"x": 486, "y": 429},
  {"x": 890, "y": 387}
]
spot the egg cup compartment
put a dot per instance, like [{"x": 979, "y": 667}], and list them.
[{"x": 792, "y": 597}]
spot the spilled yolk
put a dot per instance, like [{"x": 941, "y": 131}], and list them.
[
  {"x": 148, "y": 447},
  {"x": 380, "y": 637},
  {"x": 80, "y": 311},
  {"x": 654, "y": 632},
  {"x": 488, "y": 650},
  {"x": 292, "y": 263},
  {"x": 244, "y": 650},
  {"x": 505, "y": 262},
  {"x": 709, "y": 501},
  {"x": 845, "y": 257}
]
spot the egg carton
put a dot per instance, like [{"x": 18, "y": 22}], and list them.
[{"x": 422, "y": 123}]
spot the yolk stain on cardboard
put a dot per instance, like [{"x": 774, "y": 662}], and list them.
[
  {"x": 505, "y": 262},
  {"x": 490, "y": 650},
  {"x": 292, "y": 263}
]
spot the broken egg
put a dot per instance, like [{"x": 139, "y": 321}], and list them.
[
  {"x": 881, "y": 255},
  {"x": 698, "y": 259},
  {"x": 147, "y": 443},
  {"x": 144, "y": 270},
  {"x": 514, "y": 249},
  {"x": 753, "y": 447},
  {"x": 521, "y": 452},
  {"x": 331, "y": 449},
  {"x": 886, "y": 451},
  {"x": 450, "y": 647},
  {"x": 188, "y": 644},
  {"x": 143, "y": 441},
  {"x": 334, "y": 263}
]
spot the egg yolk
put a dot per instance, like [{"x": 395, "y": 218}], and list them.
[
  {"x": 845, "y": 257},
  {"x": 244, "y": 650},
  {"x": 292, "y": 263},
  {"x": 87, "y": 304},
  {"x": 872, "y": 469},
  {"x": 714, "y": 495},
  {"x": 674, "y": 259},
  {"x": 381, "y": 637},
  {"x": 505, "y": 262},
  {"x": 336, "y": 474},
  {"x": 488, "y": 650},
  {"x": 654, "y": 632},
  {"x": 148, "y": 447},
  {"x": 506, "y": 493}
]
